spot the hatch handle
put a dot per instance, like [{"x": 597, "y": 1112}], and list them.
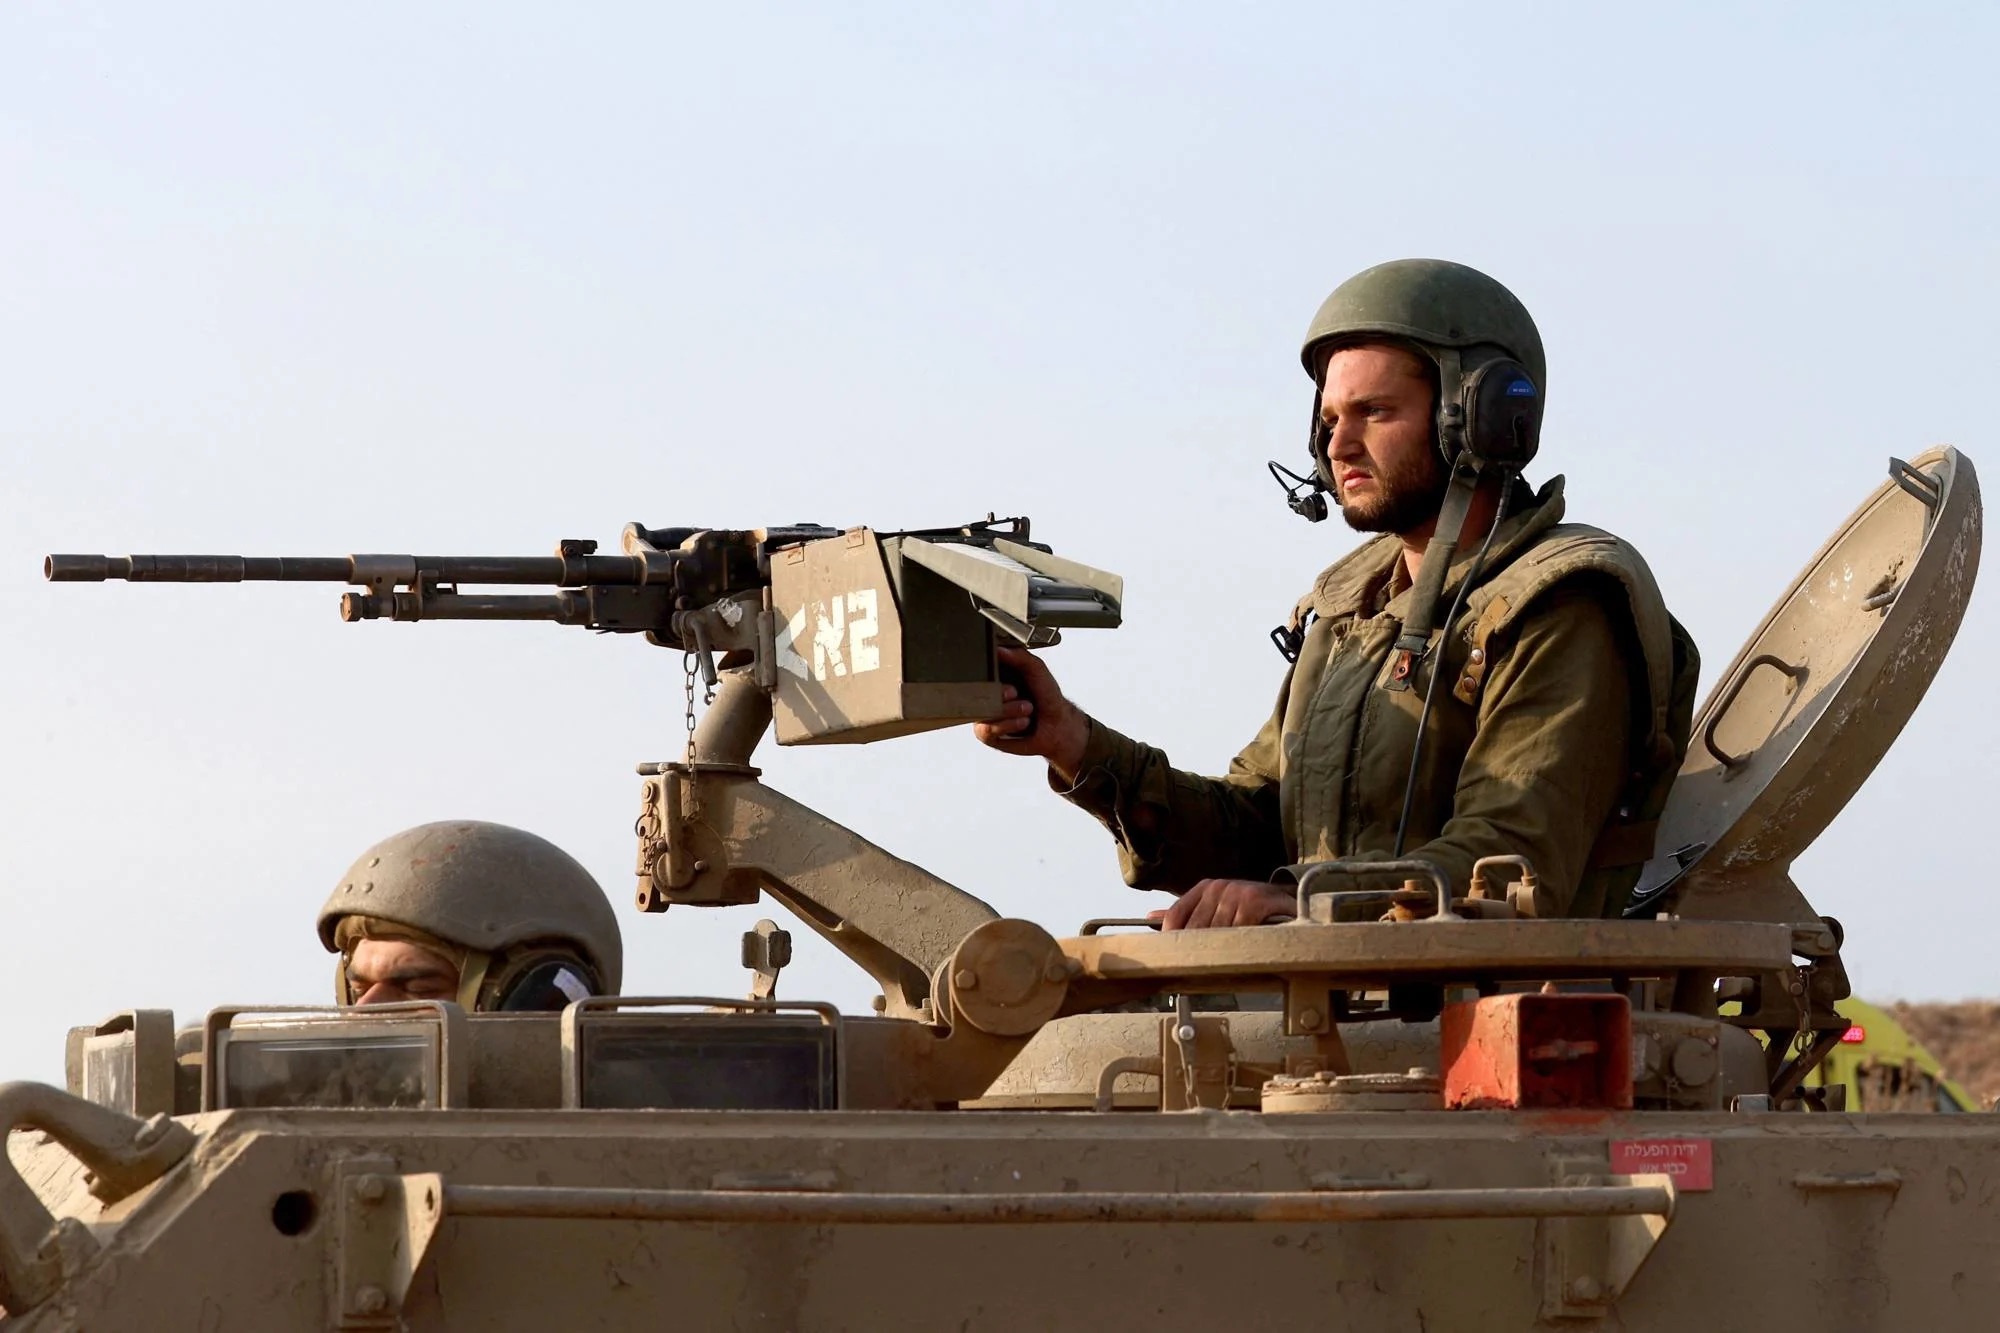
[
  {"x": 1148, "y": 1066},
  {"x": 1723, "y": 757},
  {"x": 1927, "y": 490}
]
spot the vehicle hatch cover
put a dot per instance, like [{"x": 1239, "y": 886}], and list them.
[{"x": 1816, "y": 697}]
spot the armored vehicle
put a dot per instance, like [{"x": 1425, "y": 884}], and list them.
[{"x": 1427, "y": 1109}]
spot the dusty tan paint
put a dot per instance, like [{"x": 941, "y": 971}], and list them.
[
  {"x": 519, "y": 1214},
  {"x": 1815, "y": 1221}
]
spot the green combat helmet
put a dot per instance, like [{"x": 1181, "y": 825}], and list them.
[
  {"x": 527, "y": 926},
  {"x": 1457, "y": 316}
]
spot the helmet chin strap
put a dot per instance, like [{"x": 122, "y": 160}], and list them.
[
  {"x": 471, "y": 977},
  {"x": 1415, "y": 639}
]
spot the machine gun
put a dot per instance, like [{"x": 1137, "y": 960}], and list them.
[
  {"x": 821, "y": 635},
  {"x": 859, "y": 634}
]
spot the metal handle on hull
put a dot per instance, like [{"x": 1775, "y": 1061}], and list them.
[
  {"x": 1408, "y": 865},
  {"x": 124, "y": 1153},
  {"x": 1655, "y": 1198},
  {"x": 1098, "y": 923}
]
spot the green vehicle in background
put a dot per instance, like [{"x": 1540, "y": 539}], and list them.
[{"x": 1884, "y": 1068}]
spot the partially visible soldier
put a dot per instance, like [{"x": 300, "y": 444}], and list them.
[{"x": 489, "y": 916}]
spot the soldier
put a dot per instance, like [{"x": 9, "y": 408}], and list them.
[
  {"x": 1567, "y": 688},
  {"x": 489, "y": 916}
]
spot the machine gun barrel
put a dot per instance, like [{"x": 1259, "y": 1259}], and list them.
[
  {"x": 562, "y": 571},
  {"x": 637, "y": 591}
]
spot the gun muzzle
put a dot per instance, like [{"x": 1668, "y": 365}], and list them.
[
  {"x": 84, "y": 568},
  {"x": 196, "y": 568}
]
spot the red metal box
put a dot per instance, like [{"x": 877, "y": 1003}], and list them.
[{"x": 1538, "y": 1050}]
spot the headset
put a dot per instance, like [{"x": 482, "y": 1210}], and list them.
[{"x": 1494, "y": 422}]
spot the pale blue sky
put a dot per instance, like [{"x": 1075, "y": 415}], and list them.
[{"x": 475, "y": 277}]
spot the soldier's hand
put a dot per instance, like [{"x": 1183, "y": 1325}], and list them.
[
  {"x": 1035, "y": 717},
  {"x": 1229, "y": 902}
]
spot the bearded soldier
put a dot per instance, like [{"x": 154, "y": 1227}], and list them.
[{"x": 1481, "y": 679}]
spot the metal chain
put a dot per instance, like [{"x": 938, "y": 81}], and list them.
[{"x": 693, "y": 793}]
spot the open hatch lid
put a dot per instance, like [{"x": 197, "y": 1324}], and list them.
[{"x": 1816, "y": 697}]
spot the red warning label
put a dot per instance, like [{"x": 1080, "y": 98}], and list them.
[{"x": 1691, "y": 1162}]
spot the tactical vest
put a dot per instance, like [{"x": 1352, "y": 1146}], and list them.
[{"x": 1663, "y": 680}]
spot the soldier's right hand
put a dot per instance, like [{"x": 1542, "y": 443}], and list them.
[{"x": 1036, "y": 718}]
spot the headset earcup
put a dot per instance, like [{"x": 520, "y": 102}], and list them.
[
  {"x": 1501, "y": 414},
  {"x": 539, "y": 981}
]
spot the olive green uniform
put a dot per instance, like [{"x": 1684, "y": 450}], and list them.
[{"x": 1554, "y": 735}]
